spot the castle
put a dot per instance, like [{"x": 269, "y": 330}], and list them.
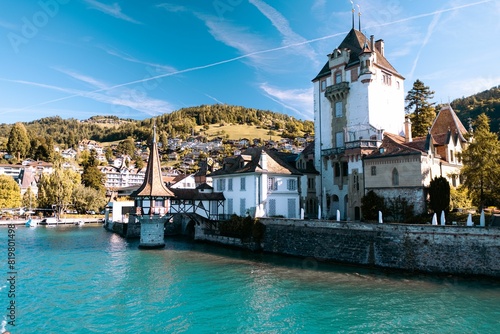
[{"x": 362, "y": 141}]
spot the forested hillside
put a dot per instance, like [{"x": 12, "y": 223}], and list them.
[
  {"x": 181, "y": 123},
  {"x": 487, "y": 102}
]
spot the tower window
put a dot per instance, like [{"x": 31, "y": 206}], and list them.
[
  {"x": 374, "y": 170},
  {"x": 338, "y": 109},
  {"x": 323, "y": 85},
  {"x": 338, "y": 77}
]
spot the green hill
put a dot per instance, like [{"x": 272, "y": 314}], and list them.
[
  {"x": 487, "y": 102},
  {"x": 180, "y": 123}
]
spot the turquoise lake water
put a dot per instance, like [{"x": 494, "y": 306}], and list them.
[{"x": 88, "y": 280}]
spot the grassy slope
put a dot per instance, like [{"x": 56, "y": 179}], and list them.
[{"x": 237, "y": 131}]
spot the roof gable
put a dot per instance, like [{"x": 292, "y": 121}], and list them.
[
  {"x": 447, "y": 122},
  {"x": 358, "y": 43}
]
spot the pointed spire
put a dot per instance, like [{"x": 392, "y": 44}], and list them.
[
  {"x": 154, "y": 130},
  {"x": 153, "y": 185},
  {"x": 359, "y": 18},
  {"x": 352, "y": 6}
]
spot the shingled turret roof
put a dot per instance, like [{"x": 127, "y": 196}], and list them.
[{"x": 153, "y": 185}]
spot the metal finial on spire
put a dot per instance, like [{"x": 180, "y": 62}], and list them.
[
  {"x": 359, "y": 18},
  {"x": 154, "y": 130},
  {"x": 352, "y": 6}
]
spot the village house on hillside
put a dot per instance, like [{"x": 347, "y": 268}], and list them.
[{"x": 359, "y": 133}]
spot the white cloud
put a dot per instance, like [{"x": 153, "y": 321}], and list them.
[
  {"x": 135, "y": 98},
  {"x": 283, "y": 26},
  {"x": 124, "y": 56},
  {"x": 467, "y": 87},
  {"x": 172, "y": 8},
  {"x": 112, "y": 10},
  {"x": 299, "y": 101},
  {"x": 239, "y": 38}
]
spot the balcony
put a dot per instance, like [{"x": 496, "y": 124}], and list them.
[
  {"x": 362, "y": 143},
  {"x": 337, "y": 92}
]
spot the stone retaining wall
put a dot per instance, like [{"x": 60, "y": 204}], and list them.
[{"x": 426, "y": 248}]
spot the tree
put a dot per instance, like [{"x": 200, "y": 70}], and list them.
[
  {"x": 10, "y": 192},
  {"x": 55, "y": 189},
  {"x": 126, "y": 146},
  {"x": 439, "y": 194},
  {"x": 92, "y": 177},
  {"x": 420, "y": 110},
  {"x": 18, "y": 143},
  {"x": 481, "y": 162},
  {"x": 371, "y": 204},
  {"x": 29, "y": 199},
  {"x": 88, "y": 199}
]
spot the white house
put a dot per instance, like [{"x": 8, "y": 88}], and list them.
[{"x": 258, "y": 183}]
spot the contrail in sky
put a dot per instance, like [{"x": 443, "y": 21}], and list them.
[{"x": 201, "y": 67}]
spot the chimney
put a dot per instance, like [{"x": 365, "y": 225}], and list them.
[
  {"x": 371, "y": 42},
  {"x": 379, "y": 45},
  {"x": 408, "y": 137},
  {"x": 263, "y": 160}
]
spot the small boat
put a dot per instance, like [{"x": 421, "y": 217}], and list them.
[
  {"x": 49, "y": 222},
  {"x": 79, "y": 222},
  {"x": 31, "y": 223}
]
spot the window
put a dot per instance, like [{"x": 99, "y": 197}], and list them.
[
  {"x": 323, "y": 85},
  {"x": 242, "y": 183},
  {"x": 272, "y": 208},
  {"x": 291, "y": 185},
  {"x": 230, "y": 206},
  {"x": 221, "y": 184},
  {"x": 451, "y": 156},
  {"x": 354, "y": 74},
  {"x": 386, "y": 79},
  {"x": 337, "y": 169},
  {"x": 395, "y": 177},
  {"x": 339, "y": 139},
  {"x": 345, "y": 168},
  {"x": 374, "y": 170},
  {"x": 310, "y": 183},
  {"x": 243, "y": 207},
  {"x": 230, "y": 184},
  {"x": 338, "y": 109},
  {"x": 338, "y": 77},
  {"x": 272, "y": 184}
]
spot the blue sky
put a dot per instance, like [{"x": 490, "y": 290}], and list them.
[{"x": 138, "y": 59}]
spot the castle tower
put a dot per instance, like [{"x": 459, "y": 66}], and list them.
[
  {"x": 152, "y": 201},
  {"x": 358, "y": 95}
]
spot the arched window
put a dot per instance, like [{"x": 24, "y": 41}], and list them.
[{"x": 395, "y": 177}]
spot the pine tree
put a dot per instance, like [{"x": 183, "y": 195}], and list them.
[
  {"x": 19, "y": 142},
  {"x": 481, "y": 162},
  {"x": 439, "y": 195},
  {"x": 420, "y": 110}
]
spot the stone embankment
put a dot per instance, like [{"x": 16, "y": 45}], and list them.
[{"x": 456, "y": 250}]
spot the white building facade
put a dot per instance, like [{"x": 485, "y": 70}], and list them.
[
  {"x": 258, "y": 184},
  {"x": 357, "y": 96}
]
